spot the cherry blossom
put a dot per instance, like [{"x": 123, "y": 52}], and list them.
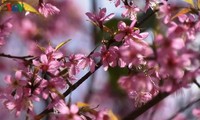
[
  {"x": 65, "y": 112},
  {"x": 87, "y": 61},
  {"x": 100, "y": 18},
  {"x": 48, "y": 9},
  {"x": 5, "y": 28},
  {"x": 129, "y": 32},
  {"x": 142, "y": 68},
  {"x": 196, "y": 112},
  {"x": 109, "y": 56}
]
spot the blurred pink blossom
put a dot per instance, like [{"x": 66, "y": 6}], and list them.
[{"x": 48, "y": 9}]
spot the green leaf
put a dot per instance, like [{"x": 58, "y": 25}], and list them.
[{"x": 61, "y": 44}]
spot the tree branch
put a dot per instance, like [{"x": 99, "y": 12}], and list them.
[
  {"x": 133, "y": 115},
  {"x": 195, "y": 82},
  {"x": 85, "y": 77},
  {"x": 15, "y": 57},
  {"x": 184, "y": 108}
]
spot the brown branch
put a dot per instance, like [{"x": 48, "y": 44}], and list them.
[
  {"x": 85, "y": 77},
  {"x": 15, "y": 57},
  {"x": 195, "y": 82},
  {"x": 184, "y": 108},
  {"x": 146, "y": 18},
  {"x": 136, "y": 113}
]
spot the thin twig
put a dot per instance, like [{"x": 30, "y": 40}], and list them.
[
  {"x": 184, "y": 108},
  {"x": 15, "y": 57},
  {"x": 195, "y": 82},
  {"x": 74, "y": 86}
]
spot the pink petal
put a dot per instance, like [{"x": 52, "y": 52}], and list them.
[
  {"x": 18, "y": 75},
  {"x": 36, "y": 63},
  {"x": 10, "y": 105},
  {"x": 92, "y": 66},
  {"x": 62, "y": 107},
  {"x": 110, "y": 16},
  {"x": 119, "y": 37},
  {"x": 117, "y": 3},
  {"x": 196, "y": 112},
  {"x": 45, "y": 94},
  {"x": 178, "y": 43},
  {"x": 82, "y": 64},
  {"x": 91, "y": 16},
  {"x": 74, "y": 109},
  {"x": 121, "y": 63},
  {"x": 102, "y": 12},
  {"x": 105, "y": 66},
  {"x": 121, "y": 26},
  {"x": 43, "y": 59},
  {"x": 57, "y": 55},
  {"x": 133, "y": 23},
  {"x": 8, "y": 79},
  {"x": 144, "y": 35}
]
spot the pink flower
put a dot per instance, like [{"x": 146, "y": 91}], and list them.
[
  {"x": 165, "y": 11},
  {"x": 109, "y": 56},
  {"x": 190, "y": 25},
  {"x": 19, "y": 104},
  {"x": 130, "y": 12},
  {"x": 142, "y": 97},
  {"x": 50, "y": 61},
  {"x": 100, "y": 18},
  {"x": 48, "y": 9},
  {"x": 2, "y": 42},
  {"x": 5, "y": 29},
  {"x": 72, "y": 64},
  {"x": 102, "y": 115},
  {"x": 52, "y": 87},
  {"x": 87, "y": 61},
  {"x": 15, "y": 84},
  {"x": 117, "y": 2},
  {"x": 169, "y": 44},
  {"x": 132, "y": 53},
  {"x": 47, "y": 64},
  {"x": 196, "y": 112},
  {"x": 173, "y": 64},
  {"x": 139, "y": 87},
  {"x": 67, "y": 113},
  {"x": 128, "y": 32}
]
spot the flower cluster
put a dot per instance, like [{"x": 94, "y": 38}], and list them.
[{"x": 153, "y": 67}]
